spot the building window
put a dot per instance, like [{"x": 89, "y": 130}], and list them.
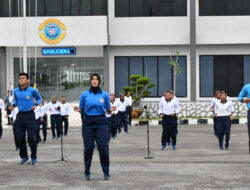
[
  {"x": 62, "y": 76},
  {"x": 156, "y": 68},
  {"x": 54, "y": 8},
  {"x": 224, "y": 7},
  {"x": 145, "y": 8},
  {"x": 223, "y": 72}
]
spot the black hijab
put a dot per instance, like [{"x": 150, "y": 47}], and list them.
[{"x": 97, "y": 88}]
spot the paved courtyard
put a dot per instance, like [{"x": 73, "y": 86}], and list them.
[{"x": 197, "y": 162}]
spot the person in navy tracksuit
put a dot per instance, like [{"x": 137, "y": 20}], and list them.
[
  {"x": 25, "y": 121},
  {"x": 95, "y": 103}
]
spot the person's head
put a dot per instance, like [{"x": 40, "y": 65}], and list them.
[
  {"x": 127, "y": 93},
  {"x": 112, "y": 97},
  {"x": 112, "y": 94},
  {"x": 164, "y": 93},
  {"x": 23, "y": 79},
  {"x": 53, "y": 99},
  {"x": 223, "y": 96},
  {"x": 63, "y": 99},
  {"x": 122, "y": 97},
  {"x": 217, "y": 94},
  {"x": 95, "y": 80},
  {"x": 168, "y": 96}
]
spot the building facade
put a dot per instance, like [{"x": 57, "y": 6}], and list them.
[{"x": 117, "y": 38}]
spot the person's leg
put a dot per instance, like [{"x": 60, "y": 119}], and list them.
[
  {"x": 58, "y": 126},
  {"x": 44, "y": 124},
  {"x": 1, "y": 127},
  {"x": 53, "y": 123},
  {"x": 129, "y": 113},
  {"x": 164, "y": 131},
  {"x": 66, "y": 126},
  {"x": 215, "y": 129},
  {"x": 119, "y": 121},
  {"x": 220, "y": 131},
  {"x": 31, "y": 132},
  {"x": 103, "y": 147},
  {"x": 15, "y": 136},
  {"x": 125, "y": 121},
  {"x": 89, "y": 145},
  {"x": 227, "y": 132},
  {"x": 21, "y": 136},
  {"x": 37, "y": 130}
]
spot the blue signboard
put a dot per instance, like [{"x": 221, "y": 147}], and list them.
[{"x": 58, "y": 51}]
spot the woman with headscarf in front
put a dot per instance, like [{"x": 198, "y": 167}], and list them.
[{"x": 95, "y": 103}]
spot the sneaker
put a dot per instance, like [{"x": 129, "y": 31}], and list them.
[
  {"x": 221, "y": 147},
  {"x": 34, "y": 161},
  {"x": 65, "y": 135},
  {"x": 164, "y": 147},
  {"x": 37, "y": 145},
  {"x": 113, "y": 137},
  {"x": 44, "y": 141},
  {"x": 169, "y": 144},
  {"x": 0, "y": 137},
  {"x": 17, "y": 149},
  {"x": 173, "y": 147},
  {"x": 25, "y": 161},
  {"x": 106, "y": 177},
  {"x": 87, "y": 177},
  {"x": 53, "y": 138},
  {"x": 226, "y": 146},
  {"x": 126, "y": 132}
]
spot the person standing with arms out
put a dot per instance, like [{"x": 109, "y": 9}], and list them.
[
  {"x": 129, "y": 108},
  {"x": 13, "y": 115},
  {"x": 223, "y": 112},
  {"x": 214, "y": 99},
  {"x": 122, "y": 106},
  {"x": 55, "y": 117},
  {"x": 95, "y": 103},
  {"x": 65, "y": 111},
  {"x": 44, "y": 119},
  {"x": 7, "y": 105},
  {"x": 168, "y": 110},
  {"x": 24, "y": 96},
  {"x": 2, "y": 107},
  {"x": 244, "y": 97}
]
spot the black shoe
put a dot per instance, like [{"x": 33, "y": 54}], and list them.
[
  {"x": 226, "y": 146},
  {"x": 87, "y": 177},
  {"x": 106, "y": 177},
  {"x": 221, "y": 147}
]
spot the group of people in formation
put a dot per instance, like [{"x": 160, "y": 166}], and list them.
[{"x": 103, "y": 117}]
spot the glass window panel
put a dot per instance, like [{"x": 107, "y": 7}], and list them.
[
  {"x": 235, "y": 7},
  {"x": 98, "y": 7},
  {"x": 180, "y": 8},
  {"x": 63, "y": 76},
  {"x": 181, "y": 79},
  {"x": 121, "y": 74},
  {"x": 151, "y": 8},
  {"x": 136, "y": 65},
  {"x": 150, "y": 70},
  {"x": 165, "y": 8},
  {"x": 165, "y": 75},
  {"x": 246, "y": 69},
  {"x": 85, "y": 7},
  {"x": 246, "y": 7},
  {"x": 136, "y": 8},
  {"x": 206, "y": 7},
  {"x": 122, "y": 8},
  {"x": 206, "y": 76}
]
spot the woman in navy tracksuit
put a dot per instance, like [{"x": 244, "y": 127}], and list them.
[{"x": 95, "y": 103}]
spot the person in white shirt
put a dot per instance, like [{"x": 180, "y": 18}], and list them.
[
  {"x": 2, "y": 107},
  {"x": 13, "y": 115},
  {"x": 223, "y": 112},
  {"x": 44, "y": 119},
  {"x": 214, "y": 99},
  {"x": 129, "y": 108},
  {"x": 38, "y": 115},
  {"x": 55, "y": 117},
  {"x": 65, "y": 111},
  {"x": 113, "y": 116},
  {"x": 168, "y": 110},
  {"x": 178, "y": 103},
  {"x": 122, "y": 105}
]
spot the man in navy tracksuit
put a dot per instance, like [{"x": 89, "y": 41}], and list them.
[{"x": 25, "y": 121}]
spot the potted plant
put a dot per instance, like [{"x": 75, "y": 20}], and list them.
[{"x": 139, "y": 89}]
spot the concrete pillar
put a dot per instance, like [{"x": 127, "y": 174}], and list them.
[
  {"x": 193, "y": 49},
  {"x": 3, "y": 73}
]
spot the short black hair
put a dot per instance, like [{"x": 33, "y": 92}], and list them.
[
  {"x": 63, "y": 97},
  {"x": 24, "y": 74}
]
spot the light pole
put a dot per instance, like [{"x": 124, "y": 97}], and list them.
[{"x": 24, "y": 38}]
